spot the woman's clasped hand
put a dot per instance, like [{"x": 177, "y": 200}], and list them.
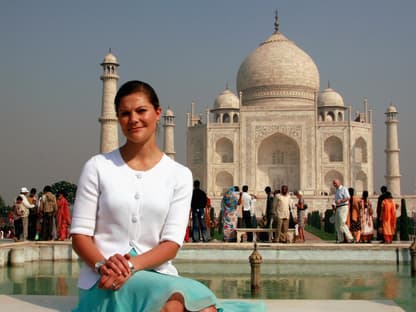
[{"x": 114, "y": 272}]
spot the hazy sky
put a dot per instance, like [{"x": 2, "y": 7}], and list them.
[{"x": 50, "y": 90}]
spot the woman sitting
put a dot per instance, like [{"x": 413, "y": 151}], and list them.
[{"x": 129, "y": 221}]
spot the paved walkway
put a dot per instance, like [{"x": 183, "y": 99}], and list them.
[
  {"x": 311, "y": 238},
  {"x": 55, "y": 303}
]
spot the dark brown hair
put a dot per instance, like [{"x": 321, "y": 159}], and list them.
[{"x": 135, "y": 86}]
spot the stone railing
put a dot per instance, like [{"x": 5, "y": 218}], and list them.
[{"x": 17, "y": 253}]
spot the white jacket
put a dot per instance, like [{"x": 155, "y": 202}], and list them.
[{"x": 121, "y": 207}]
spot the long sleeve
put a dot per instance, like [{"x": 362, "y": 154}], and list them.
[
  {"x": 66, "y": 215},
  {"x": 26, "y": 203}
]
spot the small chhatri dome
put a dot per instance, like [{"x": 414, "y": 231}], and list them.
[
  {"x": 169, "y": 113},
  {"x": 391, "y": 109},
  {"x": 227, "y": 99},
  {"x": 110, "y": 58},
  {"x": 330, "y": 97},
  {"x": 277, "y": 63}
]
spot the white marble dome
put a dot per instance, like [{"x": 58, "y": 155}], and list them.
[
  {"x": 169, "y": 113},
  {"x": 227, "y": 99},
  {"x": 391, "y": 109},
  {"x": 330, "y": 97},
  {"x": 278, "y": 62},
  {"x": 110, "y": 59}
]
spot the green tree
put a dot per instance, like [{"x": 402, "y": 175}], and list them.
[
  {"x": 68, "y": 188},
  {"x": 3, "y": 208},
  {"x": 2, "y": 203},
  {"x": 404, "y": 222}
]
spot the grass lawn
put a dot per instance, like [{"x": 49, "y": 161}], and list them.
[
  {"x": 320, "y": 233},
  {"x": 218, "y": 236}
]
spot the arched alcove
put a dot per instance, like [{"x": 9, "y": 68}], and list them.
[
  {"x": 224, "y": 151},
  {"x": 361, "y": 182},
  {"x": 278, "y": 162},
  {"x": 235, "y": 118},
  {"x": 333, "y": 149},
  {"x": 223, "y": 180},
  {"x": 331, "y": 176},
  {"x": 226, "y": 118},
  {"x": 330, "y": 116},
  {"x": 360, "y": 150}
]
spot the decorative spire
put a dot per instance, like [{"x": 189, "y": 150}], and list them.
[
  {"x": 329, "y": 85},
  {"x": 276, "y": 21},
  {"x": 109, "y": 50},
  {"x": 226, "y": 86}
]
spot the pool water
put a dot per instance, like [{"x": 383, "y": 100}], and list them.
[{"x": 278, "y": 281}]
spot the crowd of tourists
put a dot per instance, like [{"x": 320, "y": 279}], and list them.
[
  {"x": 39, "y": 217},
  {"x": 240, "y": 209},
  {"x": 279, "y": 212},
  {"x": 354, "y": 218},
  {"x": 47, "y": 217}
]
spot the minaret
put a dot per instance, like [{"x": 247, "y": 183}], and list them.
[
  {"x": 195, "y": 119},
  {"x": 169, "y": 131},
  {"x": 392, "y": 151},
  {"x": 108, "y": 119}
]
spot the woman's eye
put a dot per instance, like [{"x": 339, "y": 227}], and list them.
[{"x": 124, "y": 114}]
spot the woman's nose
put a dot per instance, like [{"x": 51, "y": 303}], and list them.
[{"x": 133, "y": 118}]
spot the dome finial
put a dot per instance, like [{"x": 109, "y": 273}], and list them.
[
  {"x": 226, "y": 85},
  {"x": 329, "y": 85},
  {"x": 276, "y": 21}
]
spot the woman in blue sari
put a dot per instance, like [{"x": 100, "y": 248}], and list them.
[{"x": 229, "y": 206}]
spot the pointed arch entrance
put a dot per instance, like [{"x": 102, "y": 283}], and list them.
[{"x": 278, "y": 162}]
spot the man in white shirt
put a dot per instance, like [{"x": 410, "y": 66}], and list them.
[
  {"x": 246, "y": 204},
  {"x": 25, "y": 217},
  {"x": 342, "y": 198}
]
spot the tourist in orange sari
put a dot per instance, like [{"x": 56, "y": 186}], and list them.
[
  {"x": 388, "y": 218},
  {"x": 208, "y": 221},
  {"x": 355, "y": 221},
  {"x": 63, "y": 220}
]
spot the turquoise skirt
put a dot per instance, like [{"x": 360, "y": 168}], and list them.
[{"x": 148, "y": 291}]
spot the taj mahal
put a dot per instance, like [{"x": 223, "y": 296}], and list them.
[{"x": 281, "y": 127}]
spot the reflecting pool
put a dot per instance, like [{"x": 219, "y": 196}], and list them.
[{"x": 278, "y": 281}]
